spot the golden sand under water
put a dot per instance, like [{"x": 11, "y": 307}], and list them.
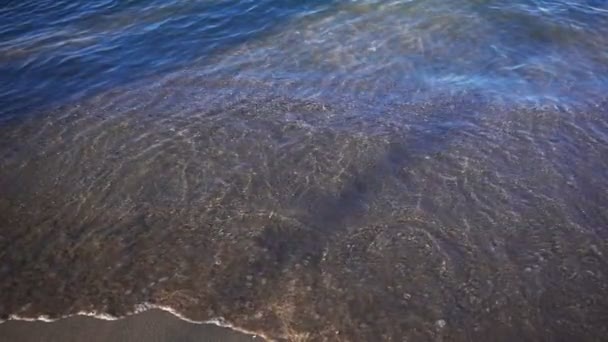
[{"x": 299, "y": 219}]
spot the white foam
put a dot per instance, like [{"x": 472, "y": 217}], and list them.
[{"x": 139, "y": 308}]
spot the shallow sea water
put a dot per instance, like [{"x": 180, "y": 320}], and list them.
[{"x": 347, "y": 170}]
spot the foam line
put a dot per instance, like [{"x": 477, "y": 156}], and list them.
[{"x": 139, "y": 308}]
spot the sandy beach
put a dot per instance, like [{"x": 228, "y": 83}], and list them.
[{"x": 153, "y": 325}]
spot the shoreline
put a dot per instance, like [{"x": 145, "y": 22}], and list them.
[{"x": 150, "y": 324}]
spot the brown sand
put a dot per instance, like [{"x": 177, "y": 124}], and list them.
[{"x": 152, "y": 325}]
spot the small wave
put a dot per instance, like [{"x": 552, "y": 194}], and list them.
[{"x": 140, "y": 308}]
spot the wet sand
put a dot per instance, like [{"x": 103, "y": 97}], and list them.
[{"x": 153, "y": 325}]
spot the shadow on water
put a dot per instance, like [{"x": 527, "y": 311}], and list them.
[
  {"x": 330, "y": 215},
  {"x": 53, "y": 52},
  {"x": 326, "y": 217}
]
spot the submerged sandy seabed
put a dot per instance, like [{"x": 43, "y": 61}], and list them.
[{"x": 310, "y": 219}]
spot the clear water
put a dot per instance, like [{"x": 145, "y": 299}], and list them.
[{"x": 323, "y": 170}]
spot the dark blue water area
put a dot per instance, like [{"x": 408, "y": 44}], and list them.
[{"x": 53, "y": 52}]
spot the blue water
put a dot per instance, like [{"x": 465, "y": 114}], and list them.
[
  {"x": 538, "y": 51},
  {"x": 53, "y": 50}
]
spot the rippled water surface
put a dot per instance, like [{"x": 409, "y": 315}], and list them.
[{"x": 309, "y": 170}]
